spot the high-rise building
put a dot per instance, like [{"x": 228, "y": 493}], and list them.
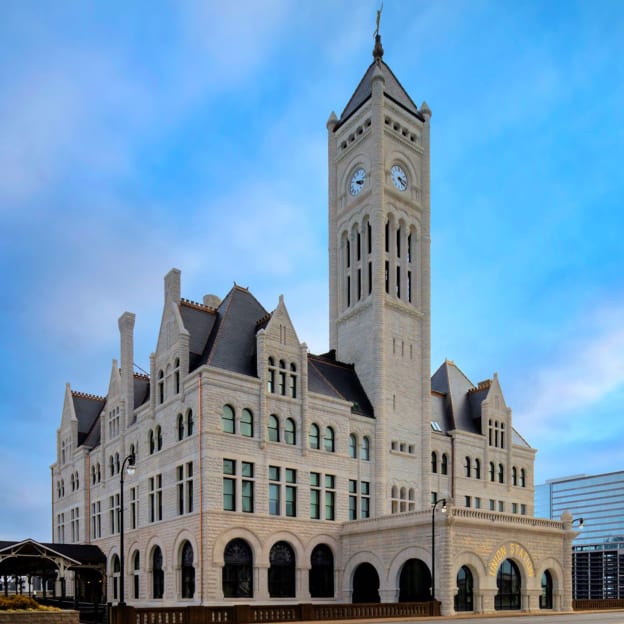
[
  {"x": 266, "y": 473},
  {"x": 598, "y": 550}
]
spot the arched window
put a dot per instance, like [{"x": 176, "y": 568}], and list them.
[
  {"x": 227, "y": 419},
  {"x": 136, "y": 572},
  {"x": 492, "y": 472},
  {"x": 467, "y": 467},
  {"x": 522, "y": 477},
  {"x": 158, "y": 574},
  {"x": 274, "y": 434},
  {"x": 159, "y": 438},
  {"x": 514, "y": 476},
  {"x": 161, "y": 387},
  {"x": 365, "y": 449},
  {"x": 546, "y": 597},
  {"x": 93, "y": 474},
  {"x": 352, "y": 446},
  {"x": 246, "y": 423},
  {"x": 314, "y": 439},
  {"x": 180, "y": 427},
  {"x": 477, "y": 468},
  {"x": 117, "y": 464},
  {"x": 328, "y": 440},
  {"x": 187, "y": 571},
  {"x": 321, "y": 578},
  {"x": 282, "y": 571},
  {"x": 444, "y": 464},
  {"x": 237, "y": 573},
  {"x": 290, "y": 431},
  {"x": 152, "y": 443},
  {"x": 111, "y": 465},
  {"x": 434, "y": 462},
  {"x": 501, "y": 473},
  {"x": 509, "y": 585},
  {"x": 464, "y": 595},
  {"x": 293, "y": 381},
  {"x": 271, "y": 376},
  {"x": 190, "y": 423}
]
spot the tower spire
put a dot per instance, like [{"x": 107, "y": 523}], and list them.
[{"x": 378, "y": 50}]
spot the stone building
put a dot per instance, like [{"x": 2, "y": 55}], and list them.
[{"x": 266, "y": 473}]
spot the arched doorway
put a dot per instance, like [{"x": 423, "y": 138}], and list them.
[
  {"x": 321, "y": 579},
  {"x": 464, "y": 595},
  {"x": 236, "y": 576},
  {"x": 415, "y": 582},
  {"x": 509, "y": 583},
  {"x": 282, "y": 571},
  {"x": 365, "y": 584},
  {"x": 546, "y": 597}
]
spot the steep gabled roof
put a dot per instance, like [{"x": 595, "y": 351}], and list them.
[
  {"x": 231, "y": 344},
  {"x": 87, "y": 407},
  {"x": 338, "y": 380}
]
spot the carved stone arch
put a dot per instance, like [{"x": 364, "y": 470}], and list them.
[
  {"x": 152, "y": 543},
  {"x": 113, "y": 552},
  {"x": 358, "y": 160},
  {"x": 351, "y": 565},
  {"x": 400, "y": 157},
  {"x": 519, "y": 554},
  {"x": 556, "y": 572},
  {"x": 283, "y": 536},
  {"x": 183, "y": 536},
  {"x": 478, "y": 568},
  {"x": 396, "y": 565},
  {"x": 328, "y": 540},
  {"x": 222, "y": 540}
]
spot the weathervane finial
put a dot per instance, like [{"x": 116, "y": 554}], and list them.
[{"x": 378, "y": 50}]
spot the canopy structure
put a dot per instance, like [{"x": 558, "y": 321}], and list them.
[{"x": 51, "y": 561}]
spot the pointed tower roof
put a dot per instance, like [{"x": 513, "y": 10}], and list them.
[{"x": 392, "y": 87}]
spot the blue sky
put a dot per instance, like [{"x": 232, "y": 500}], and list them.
[{"x": 136, "y": 137}]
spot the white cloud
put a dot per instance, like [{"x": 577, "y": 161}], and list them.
[{"x": 588, "y": 368}]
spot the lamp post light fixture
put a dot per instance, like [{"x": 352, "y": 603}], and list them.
[
  {"x": 129, "y": 468},
  {"x": 442, "y": 502},
  {"x": 581, "y": 522}
]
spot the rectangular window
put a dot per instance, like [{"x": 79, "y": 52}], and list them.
[
  {"x": 315, "y": 495},
  {"x": 359, "y": 284},
  {"x": 155, "y": 498},
  {"x": 274, "y": 490},
  {"x": 247, "y": 487},
  {"x": 114, "y": 510},
  {"x": 364, "y": 499},
  {"x": 501, "y": 506},
  {"x": 348, "y": 290},
  {"x": 523, "y": 509},
  {"x": 185, "y": 488},
  {"x": 398, "y": 282},
  {"x": 330, "y": 497},
  {"x": 134, "y": 508},
  {"x": 467, "y": 501},
  {"x": 477, "y": 502},
  {"x": 370, "y": 278},
  {"x": 352, "y": 499},
  {"x": 290, "y": 476},
  {"x": 387, "y": 276},
  {"x": 229, "y": 485},
  {"x": 409, "y": 286},
  {"x": 96, "y": 520},
  {"x": 492, "y": 504}
]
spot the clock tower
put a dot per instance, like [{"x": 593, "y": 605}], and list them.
[{"x": 379, "y": 312}]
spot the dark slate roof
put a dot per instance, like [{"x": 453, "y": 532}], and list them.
[
  {"x": 338, "y": 380},
  {"x": 231, "y": 344},
  {"x": 82, "y": 554},
  {"x": 87, "y": 408},
  {"x": 141, "y": 389},
  {"x": 392, "y": 89},
  {"x": 199, "y": 320}
]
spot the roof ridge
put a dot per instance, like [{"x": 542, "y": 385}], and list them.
[
  {"x": 482, "y": 385},
  {"x": 144, "y": 376},
  {"x": 85, "y": 395},
  {"x": 332, "y": 362},
  {"x": 196, "y": 305}
]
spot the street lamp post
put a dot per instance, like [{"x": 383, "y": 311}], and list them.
[
  {"x": 130, "y": 461},
  {"x": 442, "y": 502}
]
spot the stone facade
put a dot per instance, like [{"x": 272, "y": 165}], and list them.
[{"x": 265, "y": 473}]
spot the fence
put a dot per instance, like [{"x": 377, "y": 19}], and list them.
[{"x": 263, "y": 614}]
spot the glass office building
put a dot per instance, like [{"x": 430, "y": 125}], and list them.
[{"x": 598, "y": 550}]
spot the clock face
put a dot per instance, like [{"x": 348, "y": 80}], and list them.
[
  {"x": 357, "y": 181},
  {"x": 399, "y": 177}
]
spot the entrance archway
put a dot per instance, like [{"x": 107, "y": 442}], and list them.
[
  {"x": 465, "y": 585},
  {"x": 365, "y": 584},
  {"x": 509, "y": 583},
  {"x": 415, "y": 582}
]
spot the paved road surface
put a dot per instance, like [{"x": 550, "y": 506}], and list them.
[{"x": 578, "y": 617}]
